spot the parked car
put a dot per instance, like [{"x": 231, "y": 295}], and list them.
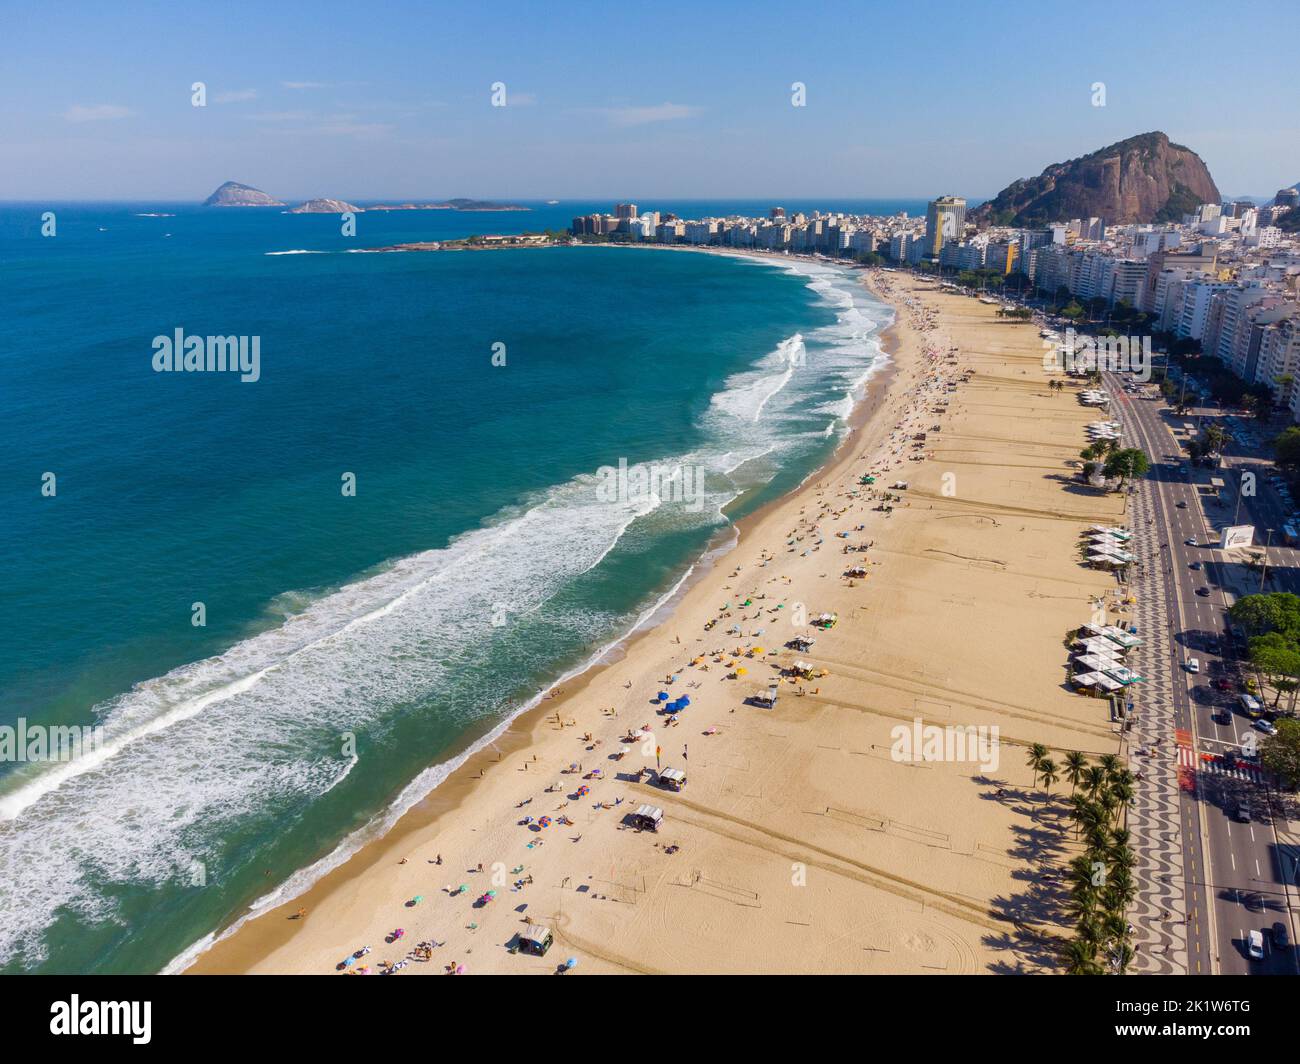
[
  {"x": 1250, "y": 704},
  {"x": 1193, "y": 664},
  {"x": 1221, "y": 716}
]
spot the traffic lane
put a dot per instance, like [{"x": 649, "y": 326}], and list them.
[
  {"x": 1249, "y": 897},
  {"x": 1224, "y": 848},
  {"x": 1247, "y": 850}
]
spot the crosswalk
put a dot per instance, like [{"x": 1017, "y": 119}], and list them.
[{"x": 1239, "y": 771}]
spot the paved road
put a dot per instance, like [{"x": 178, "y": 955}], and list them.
[{"x": 1238, "y": 876}]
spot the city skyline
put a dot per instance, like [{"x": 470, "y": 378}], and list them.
[{"x": 675, "y": 102}]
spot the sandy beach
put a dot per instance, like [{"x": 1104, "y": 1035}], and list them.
[{"x": 799, "y": 843}]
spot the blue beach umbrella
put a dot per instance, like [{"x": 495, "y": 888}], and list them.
[{"x": 663, "y": 696}]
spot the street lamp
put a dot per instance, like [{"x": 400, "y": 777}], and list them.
[{"x": 1264, "y": 571}]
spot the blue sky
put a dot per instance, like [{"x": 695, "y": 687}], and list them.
[{"x": 389, "y": 99}]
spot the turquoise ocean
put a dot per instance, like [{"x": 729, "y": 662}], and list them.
[{"x": 355, "y": 645}]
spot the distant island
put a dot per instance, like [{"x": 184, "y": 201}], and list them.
[
  {"x": 451, "y": 205},
  {"x": 325, "y": 206},
  {"x": 233, "y": 194}
]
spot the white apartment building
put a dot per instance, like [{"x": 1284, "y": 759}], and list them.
[{"x": 1195, "y": 309}]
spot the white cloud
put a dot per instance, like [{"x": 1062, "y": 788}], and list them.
[
  {"x": 100, "y": 112},
  {"x": 299, "y": 85},
  {"x": 235, "y": 96},
  {"x": 521, "y": 99},
  {"x": 640, "y": 116}
]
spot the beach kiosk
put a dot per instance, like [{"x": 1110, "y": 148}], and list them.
[
  {"x": 672, "y": 778},
  {"x": 766, "y": 699},
  {"x": 536, "y": 940},
  {"x": 801, "y": 642},
  {"x": 648, "y": 818}
]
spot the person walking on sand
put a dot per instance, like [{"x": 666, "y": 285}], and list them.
[{"x": 683, "y": 751}]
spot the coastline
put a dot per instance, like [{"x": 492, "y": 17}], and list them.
[
  {"x": 351, "y": 895},
  {"x": 226, "y": 952}
]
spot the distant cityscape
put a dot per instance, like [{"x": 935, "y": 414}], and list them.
[{"x": 1222, "y": 280}]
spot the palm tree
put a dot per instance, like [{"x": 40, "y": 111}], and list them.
[
  {"x": 1094, "y": 778},
  {"x": 1079, "y": 959},
  {"x": 1048, "y": 771},
  {"x": 1075, "y": 763},
  {"x": 1111, "y": 765},
  {"x": 1037, "y": 755},
  {"x": 1123, "y": 795}
]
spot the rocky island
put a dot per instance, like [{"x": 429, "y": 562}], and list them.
[
  {"x": 451, "y": 205},
  {"x": 324, "y": 206},
  {"x": 233, "y": 194}
]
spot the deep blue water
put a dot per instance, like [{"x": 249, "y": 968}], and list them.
[{"x": 477, "y": 561}]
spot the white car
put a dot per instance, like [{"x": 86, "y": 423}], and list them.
[
  {"x": 1193, "y": 664},
  {"x": 1255, "y": 945}
]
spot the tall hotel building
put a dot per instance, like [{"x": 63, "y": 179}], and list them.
[{"x": 945, "y": 220}]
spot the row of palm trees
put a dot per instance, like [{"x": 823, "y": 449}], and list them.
[{"x": 1101, "y": 877}]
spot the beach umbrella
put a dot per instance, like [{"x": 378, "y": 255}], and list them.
[
  {"x": 572, "y": 962},
  {"x": 662, "y": 696},
  {"x": 545, "y": 822},
  {"x": 741, "y": 671},
  {"x": 583, "y": 790}
]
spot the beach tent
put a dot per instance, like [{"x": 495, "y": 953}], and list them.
[
  {"x": 1100, "y": 645},
  {"x": 536, "y": 940},
  {"x": 673, "y": 778},
  {"x": 1097, "y": 662},
  {"x": 648, "y": 817},
  {"x": 1127, "y": 640}
]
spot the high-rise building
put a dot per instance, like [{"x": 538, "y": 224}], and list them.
[
  {"x": 945, "y": 220},
  {"x": 625, "y": 210}
]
